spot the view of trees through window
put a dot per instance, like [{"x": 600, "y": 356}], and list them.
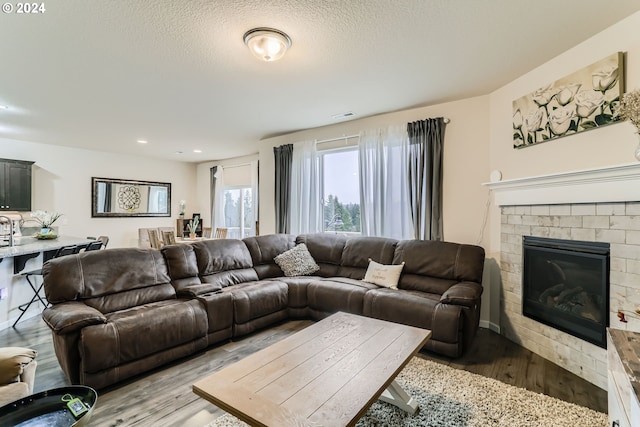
[
  {"x": 238, "y": 212},
  {"x": 341, "y": 192}
]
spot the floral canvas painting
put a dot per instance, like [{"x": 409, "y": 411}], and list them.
[{"x": 586, "y": 99}]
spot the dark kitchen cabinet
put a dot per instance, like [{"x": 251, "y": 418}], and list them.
[{"x": 15, "y": 185}]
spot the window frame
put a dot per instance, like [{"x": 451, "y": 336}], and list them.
[
  {"x": 320, "y": 154},
  {"x": 242, "y": 207}
]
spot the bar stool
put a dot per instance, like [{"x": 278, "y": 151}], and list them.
[
  {"x": 103, "y": 239},
  {"x": 93, "y": 246},
  {"x": 65, "y": 250}
]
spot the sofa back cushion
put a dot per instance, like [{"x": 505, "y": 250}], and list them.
[
  {"x": 182, "y": 266},
  {"x": 109, "y": 280},
  {"x": 224, "y": 262},
  {"x": 357, "y": 252},
  {"x": 264, "y": 249},
  {"x": 434, "y": 266},
  {"x": 326, "y": 249}
]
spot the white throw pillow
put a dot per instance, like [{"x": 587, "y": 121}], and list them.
[
  {"x": 383, "y": 275},
  {"x": 297, "y": 261}
]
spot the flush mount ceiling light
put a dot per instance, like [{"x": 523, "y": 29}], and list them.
[{"x": 267, "y": 44}]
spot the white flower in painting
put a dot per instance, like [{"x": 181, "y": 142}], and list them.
[
  {"x": 587, "y": 102},
  {"x": 605, "y": 79},
  {"x": 560, "y": 119},
  {"x": 543, "y": 95},
  {"x": 534, "y": 121},
  {"x": 566, "y": 93},
  {"x": 517, "y": 119}
]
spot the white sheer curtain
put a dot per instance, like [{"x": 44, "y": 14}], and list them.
[
  {"x": 384, "y": 185},
  {"x": 218, "y": 197},
  {"x": 306, "y": 209}
]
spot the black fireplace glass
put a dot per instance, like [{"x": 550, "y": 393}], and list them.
[{"x": 565, "y": 285}]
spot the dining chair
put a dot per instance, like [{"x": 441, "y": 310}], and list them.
[
  {"x": 221, "y": 233},
  {"x": 154, "y": 240},
  {"x": 64, "y": 250},
  {"x": 168, "y": 238},
  {"x": 206, "y": 232}
]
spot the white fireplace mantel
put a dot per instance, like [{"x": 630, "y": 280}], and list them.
[{"x": 608, "y": 184}]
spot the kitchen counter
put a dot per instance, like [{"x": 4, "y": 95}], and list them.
[
  {"x": 30, "y": 247},
  {"x": 13, "y": 261}
]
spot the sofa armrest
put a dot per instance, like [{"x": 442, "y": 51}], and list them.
[
  {"x": 462, "y": 293},
  {"x": 71, "y": 316}
]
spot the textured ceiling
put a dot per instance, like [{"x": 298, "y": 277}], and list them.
[{"x": 103, "y": 74}]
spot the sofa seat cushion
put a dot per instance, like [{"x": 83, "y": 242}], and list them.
[
  {"x": 298, "y": 289},
  {"x": 411, "y": 308},
  {"x": 337, "y": 294},
  {"x": 141, "y": 331},
  {"x": 252, "y": 300}
]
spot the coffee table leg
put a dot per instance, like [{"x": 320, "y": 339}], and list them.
[{"x": 396, "y": 395}]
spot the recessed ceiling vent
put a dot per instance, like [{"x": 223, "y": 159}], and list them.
[{"x": 340, "y": 116}]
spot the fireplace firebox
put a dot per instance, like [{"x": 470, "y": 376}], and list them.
[{"x": 565, "y": 285}]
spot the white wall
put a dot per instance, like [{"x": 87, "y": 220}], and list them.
[
  {"x": 611, "y": 145},
  {"x": 465, "y": 161},
  {"x": 466, "y": 166},
  {"x": 202, "y": 202},
  {"x": 61, "y": 182}
]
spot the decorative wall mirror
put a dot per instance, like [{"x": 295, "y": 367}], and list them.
[{"x": 125, "y": 197}]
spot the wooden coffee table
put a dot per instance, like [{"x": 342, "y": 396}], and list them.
[{"x": 328, "y": 374}]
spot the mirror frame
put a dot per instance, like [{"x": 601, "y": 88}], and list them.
[{"x": 94, "y": 198}]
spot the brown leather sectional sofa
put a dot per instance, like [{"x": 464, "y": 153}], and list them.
[{"x": 119, "y": 312}]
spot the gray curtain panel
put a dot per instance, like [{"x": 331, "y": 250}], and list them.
[
  {"x": 426, "y": 140},
  {"x": 214, "y": 169},
  {"x": 283, "y": 157}
]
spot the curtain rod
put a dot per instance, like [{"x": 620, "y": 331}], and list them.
[
  {"x": 235, "y": 166},
  {"x": 338, "y": 138},
  {"x": 445, "y": 119}
]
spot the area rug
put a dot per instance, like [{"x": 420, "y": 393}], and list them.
[{"x": 454, "y": 398}]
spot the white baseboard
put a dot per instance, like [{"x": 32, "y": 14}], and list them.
[
  {"x": 490, "y": 325},
  {"x": 33, "y": 312}
]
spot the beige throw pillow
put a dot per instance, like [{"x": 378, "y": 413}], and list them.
[
  {"x": 383, "y": 275},
  {"x": 12, "y": 362},
  {"x": 297, "y": 261}
]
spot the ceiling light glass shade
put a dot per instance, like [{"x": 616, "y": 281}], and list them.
[{"x": 267, "y": 44}]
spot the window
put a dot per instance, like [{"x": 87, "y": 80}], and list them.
[
  {"x": 238, "y": 212},
  {"x": 340, "y": 190}
]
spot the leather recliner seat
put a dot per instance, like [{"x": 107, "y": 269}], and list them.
[{"x": 120, "y": 312}]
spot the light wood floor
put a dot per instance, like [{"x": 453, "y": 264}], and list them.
[{"x": 164, "y": 398}]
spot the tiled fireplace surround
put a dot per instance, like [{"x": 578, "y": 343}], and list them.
[{"x": 601, "y": 205}]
